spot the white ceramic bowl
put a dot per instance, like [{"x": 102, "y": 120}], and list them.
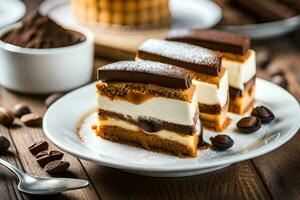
[{"x": 42, "y": 71}]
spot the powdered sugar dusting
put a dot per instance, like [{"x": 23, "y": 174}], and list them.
[
  {"x": 148, "y": 67},
  {"x": 182, "y": 52}
]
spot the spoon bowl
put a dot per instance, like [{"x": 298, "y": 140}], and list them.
[{"x": 36, "y": 185}]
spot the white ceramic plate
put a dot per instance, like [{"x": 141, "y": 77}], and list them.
[
  {"x": 266, "y": 30},
  {"x": 62, "y": 119},
  {"x": 190, "y": 13},
  {"x": 11, "y": 11}
]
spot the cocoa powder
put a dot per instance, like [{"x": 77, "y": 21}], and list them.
[{"x": 38, "y": 31}]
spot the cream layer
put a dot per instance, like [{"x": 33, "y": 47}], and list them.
[
  {"x": 240, "y": 73},
  {"x": 187, "y": 140},
  {"x": 212, "y": 94},
  {"x": 165, "y": 109}
]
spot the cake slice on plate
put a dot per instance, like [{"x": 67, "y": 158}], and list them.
[
  {"x": 237, "y": 57},
  {"x": 205, "y": 69},
  {"x": 150, "y": 105}
]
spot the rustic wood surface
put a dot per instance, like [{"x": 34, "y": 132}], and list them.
[{"x": 275, "y": 175}]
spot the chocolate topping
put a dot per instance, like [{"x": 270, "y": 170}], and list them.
[
  {"x": 180, "y": 54},
  {"x": 146, "y": 72},
  {"x": 212, "y": 39},
  {"x": 38, "y": 31}
]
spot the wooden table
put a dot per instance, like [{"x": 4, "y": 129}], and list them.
[{"x": 275, "y": 175}]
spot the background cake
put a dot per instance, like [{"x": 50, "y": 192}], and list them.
[
  {"x": 122, "y": 12},
  {"x": 204, "y": 66},
  {"x": 237, "y": 58}
]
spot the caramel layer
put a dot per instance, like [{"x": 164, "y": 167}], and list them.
[
  {"x": 236, "y": 57},
  {"x": 138, "y": 92}
]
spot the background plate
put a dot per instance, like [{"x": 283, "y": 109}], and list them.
[
  {"x": 11, "y": 11},
  {"x": 266, "y": 30},
  {"x": 62, "y": 119},
  {"x": 122, "y": 42}
]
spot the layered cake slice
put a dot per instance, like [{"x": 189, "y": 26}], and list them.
[
  {"x": 205, "y": 69},
  {"x": 150, "y": 105},
  {"x": 237, "y": 57}
]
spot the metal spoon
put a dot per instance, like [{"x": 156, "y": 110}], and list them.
[{"x": 35, "y": 185}]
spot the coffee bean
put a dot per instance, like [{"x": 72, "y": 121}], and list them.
[
  {"x": 56, "y": 155},
  {"x": 221, "y": 142},
  {"x": 38, "y": 147},
  {"x": 52, "y": 98},
  {"x": 32, "y": 120},
  {"x": 41, "y": 154},
  {"x": 248, "y": 124},
  {"x": 43, "y": 160},
  {"x": 279, "y": 79},
  {"x": 4, "y": 144},
  {"x": 57, "y": 166},
  {"x": 6, "y": 117},
  {"x": 44, "y": 157},
  {"x": 21, "y": 109},
  {"x": 263, "y": 113}
]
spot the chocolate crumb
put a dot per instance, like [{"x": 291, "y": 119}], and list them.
[
  {"x": 41, "y": 154},
  {"x": 57, "y": 166},
  {"x": 53, "y": 155},
  {"x": 38, "y": 147}
]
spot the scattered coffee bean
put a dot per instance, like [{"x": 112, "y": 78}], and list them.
[
  {"x": 6, "y": 117},
  {"x": 21, "y": 109},
  {"x": 41, "y": 154},
  {"x": 263, "y": 113},
  {"x": 52, "y": 98},
  {"x": 279, "y": 79},
  {"x": 221, "y": 142},
  {"x": 32, "y": 120},
  {"x": 4, "y": 144},
  {"x": 57, "y": 155},
  {"x": 38, "y": 147},
  {"x": 249, "y": 124},
  {"x": 43, "y": 159},
  {"x": 57, "y": 166}
]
